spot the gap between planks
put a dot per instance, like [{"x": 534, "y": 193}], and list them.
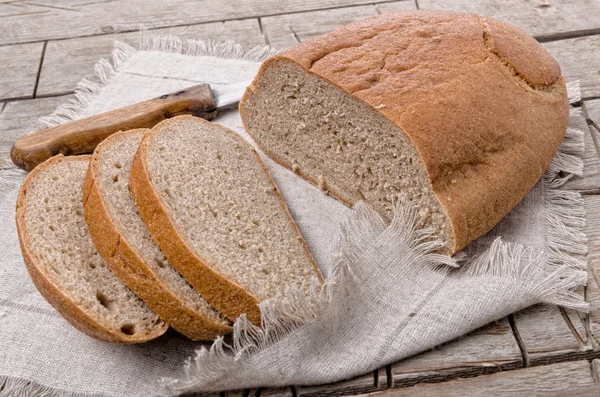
[{"x": 39, "y": 72}]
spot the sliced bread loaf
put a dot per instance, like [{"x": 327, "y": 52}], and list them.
[
  {"x": 124, "y": 242},
  {"x": 214, "y": 211},
  {"x": 64, "y": 264},
  {"x": 457, "y": 114}
]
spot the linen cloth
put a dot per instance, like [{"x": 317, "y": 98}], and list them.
[{"x": 388, "y": 296}]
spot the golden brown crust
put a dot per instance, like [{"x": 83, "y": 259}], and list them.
[
  {"x": 62, "y": 301},
  {"x": 481, "y": 101},
  {"x": 131, "y": 268},
  {"x": 226, "y": 296}
]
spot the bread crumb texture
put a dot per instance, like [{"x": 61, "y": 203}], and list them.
[
  {"x": 63, "y": 251},
  {"x": 113, "y": 166},
  {"x": 224, "y": 204}
]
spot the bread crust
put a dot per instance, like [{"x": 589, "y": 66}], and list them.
[
  {"x": 61, "y": 301},
  {"x": 483, "y": 104},
  {"x": 125, "y": 262},
  {"x": 227, "y": 296}
]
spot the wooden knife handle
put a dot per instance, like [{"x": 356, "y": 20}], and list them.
[{"x": 82, "y": 136}]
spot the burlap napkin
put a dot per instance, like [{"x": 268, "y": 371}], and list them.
[{"x": 387, "y": 297}]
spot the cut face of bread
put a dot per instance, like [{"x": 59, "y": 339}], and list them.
[
  {"x": 215, "y": 212},
  {"x": 339, "y": 143},
  {"x": 459, "y": 115},
  {"x": 125, "y": 243},
  {"x": 64, "y": 264}
]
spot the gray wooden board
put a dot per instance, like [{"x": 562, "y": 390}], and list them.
[
  {"x": 489, "y": 349},
  {"x": 285, "y": 31},
  {"x": 57, "y": 19},
  {"x": 546, "y": 336},
  {"x": 592, "y": 110},
  {"x": 579, "y": 59},
  {"x": 541, "y": 18},
  {"x": 572, "y": 378},
  {"x": 395, "y": 6},
  {"x": 277, "y": 392},
  {"x": 20, "y": 118},
  {"x": 19, "y": 66},
  {"x": 360, "y": 384}
]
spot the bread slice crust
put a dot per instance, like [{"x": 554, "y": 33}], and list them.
[
  {"x": 227, "y": 296},
  {"x": 63, "y": 302},
  {"x": 127, "y": 264}
]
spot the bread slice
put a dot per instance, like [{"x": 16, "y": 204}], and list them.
[
  {"x": 124, "y": 242},
  {"x": 457, "y": 114},
  {"x": 64, "y": 264},
  {"x": 214, "y": 211}
]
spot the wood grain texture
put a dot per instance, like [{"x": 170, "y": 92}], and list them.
[
  {"x": 276, "y": 392},
  {"x": 361, "y": 384},
  {"x": 579, "y": 59},
  {"x": 490, "y": 349},
  {"x": 59, "y": 19},
  {"x": 21, "y": 117},
  {"x": 570, "y": 378},
  {"x": 18, "y": 69},
  {"x": 591, "y": 110},
  {"x": 66, "y": 62},
  {"x": 395, "y": 6},
  {"x": 546, "y": 336},
  {"x": 284, "y": 31},
  {"x": 544, "y": 19}
]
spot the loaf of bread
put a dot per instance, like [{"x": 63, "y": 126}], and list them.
[
  {"x": 64, "y": 264},
  {"x": 457, "y": 114},
  {"x": 124, "y": 242},
  {"x": 214, "y": 211}
]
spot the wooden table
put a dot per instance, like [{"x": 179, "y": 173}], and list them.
[{"x": 47, "y": 46}]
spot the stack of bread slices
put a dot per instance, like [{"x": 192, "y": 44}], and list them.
[{"x": 180, "y": 225}]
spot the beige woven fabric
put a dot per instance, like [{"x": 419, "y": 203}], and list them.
[{"x": 387, "y": 296}]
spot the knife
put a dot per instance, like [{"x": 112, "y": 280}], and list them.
[{"x": 82, "y": 136}]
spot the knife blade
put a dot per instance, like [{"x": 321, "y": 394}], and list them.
[{"x": 82, "y": 136}]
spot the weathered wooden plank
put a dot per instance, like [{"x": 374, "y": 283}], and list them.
[
  {"x": 68, "y": 61},
  {"x": 591, "y": 110},
  {"x": 58, "y": 19},
  {"x": 490, "y": 349},
  {"x": 395, "y": 6},
  {"x": 284, "y": 31},
  {"x": 579, "y": 59},
  {"x": 546, "y": 336},
  {"x": 276, "y": 392},
  {"x": 591, "y": 157},
  {"x": 570, "y": 378},
  {"x": 361, "y": 384},
  {"x": 544, "y": 19},
  {"x": 20, "y": 118},
  {"x": 596, "y": 370},
  {"x": 18, "y": 69},
  {"x": 382, "y": 381}
]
